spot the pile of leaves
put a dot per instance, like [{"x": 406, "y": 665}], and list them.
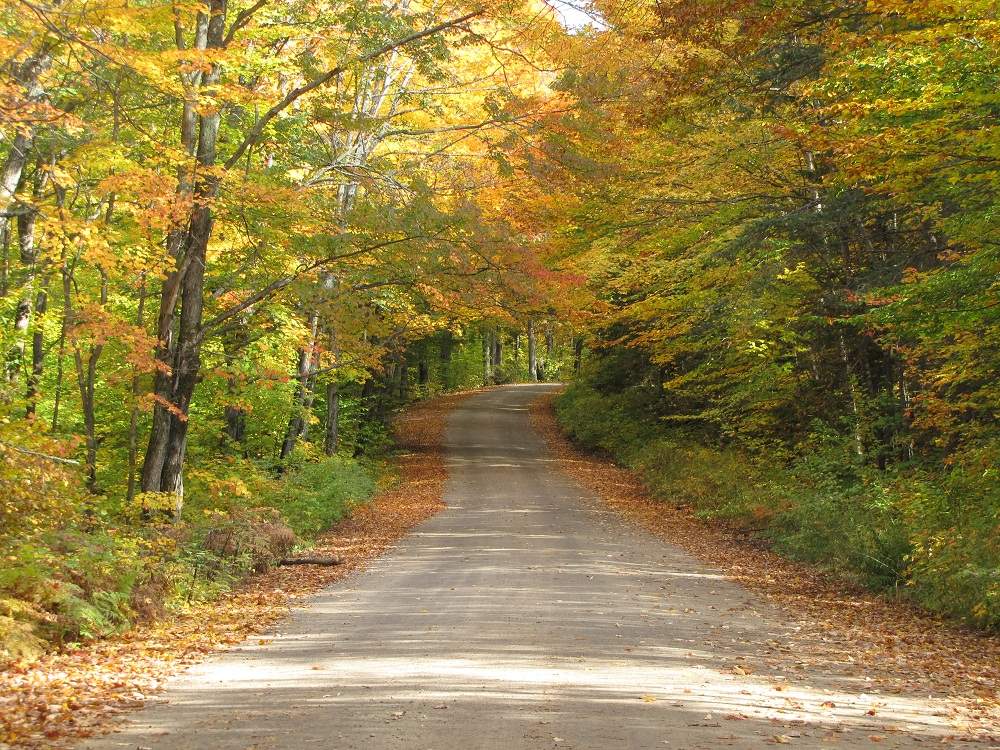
[
  {"x": 888, "y": 644},
  {"x": 78, "y": 692}
]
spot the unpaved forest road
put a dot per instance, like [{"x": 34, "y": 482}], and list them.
[{"x": 523, "y": 616}]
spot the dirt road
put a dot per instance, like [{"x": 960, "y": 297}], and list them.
[{"x": 524, "y": 616}]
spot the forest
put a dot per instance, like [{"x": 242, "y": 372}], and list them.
[{"x": 759, "y": 239}]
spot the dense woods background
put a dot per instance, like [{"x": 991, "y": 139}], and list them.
[
  {"x": 760, "y": 237},
  {"x": 789, "y": 209}
]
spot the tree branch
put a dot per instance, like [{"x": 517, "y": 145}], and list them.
[
  {"x": 241, "y": 20},
  {"x": 294, "y": 94}
]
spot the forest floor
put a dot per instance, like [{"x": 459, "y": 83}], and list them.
[{"x": 82, "y": 691}]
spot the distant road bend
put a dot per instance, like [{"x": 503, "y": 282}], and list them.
[{"x": 525, "y": 615}]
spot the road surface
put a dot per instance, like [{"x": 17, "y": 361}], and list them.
[{"x": 525, "y": 615}]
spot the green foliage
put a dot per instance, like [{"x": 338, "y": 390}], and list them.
[
  {"x": 788, "y": 215},
  {"x": 318, "y": 494},
  {"x": 955, "y": 515},
  {"x": 930, "y": 536},
  {"x": 206, "y": 315},
  {"x": 75, "y": 585},
  {"x": 65, "y": 584}
]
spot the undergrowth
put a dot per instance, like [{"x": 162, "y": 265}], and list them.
[
  {"x": 932, "y": 536},
  {"x": 100, "y": 565}
]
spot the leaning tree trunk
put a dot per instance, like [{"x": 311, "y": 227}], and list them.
[
  {"x": 187, "y": 364},
  {"x": 180, "y": 357}
]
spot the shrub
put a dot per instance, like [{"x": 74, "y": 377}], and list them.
[
  {"x": 934, "y": 534},
  {"x": 319, "y": 494},
  {"x": 954, "y": 567}
]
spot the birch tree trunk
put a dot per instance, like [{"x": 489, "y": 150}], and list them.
[{"x": 29, "y": 74}]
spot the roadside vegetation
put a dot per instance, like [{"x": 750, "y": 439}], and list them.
[
  {"x": 929, "y": 535},
  {"x": 787, "y": 214},
  {"x": 235, "y": 237},
  {"x": 79, "y": 565}
]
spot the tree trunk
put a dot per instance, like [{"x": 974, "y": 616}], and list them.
[
  {"x": 133, "y": 419},
  {"x": 446, "y": 346},
  {"x": 37, "y": 353},
  {"x": 532, "y": 355},
  {"x": 86, "y": 377},
  {"x": 187, "y": 364},
  {"x": 332, "y": 418},
  {"x": 162, "y": 469},
  {"x": 28, "y": 75},
  {"x": 577, "y": 353},
  {"x": 853, "y": 391},
  {"x": 5, "y": 258},
  {"x": 60, "y": 354},
  {"x": 23, "y": 316},
  {"x": 303, "y": 391},
  {"x": 447, "y": 343},
  {"x": 487, "y": 359},
  {"x": 404, "y": 383},
  {"x": 234, "y": 415},
  {"x": 28, "y": 254}
]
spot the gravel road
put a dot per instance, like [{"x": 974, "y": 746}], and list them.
[{"x": 524, "y": 616}]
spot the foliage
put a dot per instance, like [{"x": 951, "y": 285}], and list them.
[
  {"x": 320, "y": 493},
  {"x": 930, "y": 537},
  {"x": 787, "y": 213}
]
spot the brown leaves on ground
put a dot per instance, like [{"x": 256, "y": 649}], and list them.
[
  {"x": 76, "y": 693},
  {"x": 880, "y": 643}
]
